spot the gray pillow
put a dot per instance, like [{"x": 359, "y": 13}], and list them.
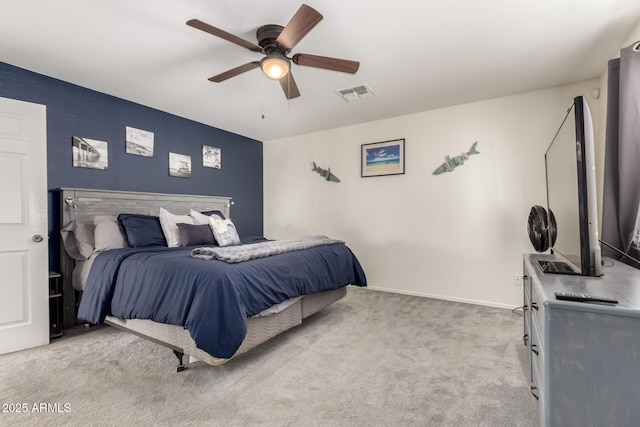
[
  {"x": 78, "y": 240},
  {"x": 192, "y": 235},
  {"x": 107, "y": 234}
]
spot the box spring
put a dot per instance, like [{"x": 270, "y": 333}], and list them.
[{"x": 259, "y": 329}]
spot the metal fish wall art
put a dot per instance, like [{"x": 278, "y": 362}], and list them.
[
  {"x": 450, "y": 163},
  {"x": 325, "y": 173}
]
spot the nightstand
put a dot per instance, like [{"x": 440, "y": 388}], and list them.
[{"x": 55, "y": 305}]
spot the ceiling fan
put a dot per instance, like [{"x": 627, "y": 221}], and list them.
[{"x": 276, "y": 42}]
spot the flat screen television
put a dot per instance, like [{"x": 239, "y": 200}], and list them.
[{"x": 571, "y": 194}]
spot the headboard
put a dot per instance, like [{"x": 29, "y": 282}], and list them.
[{"x": 82, "y": 205}]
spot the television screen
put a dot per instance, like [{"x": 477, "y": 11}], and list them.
[{"x": 571, "y": 191}]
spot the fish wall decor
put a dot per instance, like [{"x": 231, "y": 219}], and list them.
[
  {"x": 325, "y": 173},
  {"x": 451, "y": 163}
]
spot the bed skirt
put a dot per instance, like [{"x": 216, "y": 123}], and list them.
[{"x": 259, "y": 329}]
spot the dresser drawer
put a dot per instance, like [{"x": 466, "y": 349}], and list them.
[
  {"x": 526, "y": 312},
  {"x": 537, "y": 358},
  {"x": 537, "y": 313},
  {"x": 538, "y": 386},
  {"x": 526, "y": 307}
]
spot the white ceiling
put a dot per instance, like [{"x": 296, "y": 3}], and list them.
[{"x": 415, "y": 54}]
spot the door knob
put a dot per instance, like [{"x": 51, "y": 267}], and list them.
[{"x": 37, "y": 238}]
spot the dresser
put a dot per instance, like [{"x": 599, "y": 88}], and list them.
[{"x": 584, "y": 358}]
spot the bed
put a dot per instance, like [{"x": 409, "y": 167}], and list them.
[{"x": 203, "y": 309}]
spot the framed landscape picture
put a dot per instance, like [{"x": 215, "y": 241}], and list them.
[
  {"x": 179, "y": 165},
  {"x": 90, "y": 153},
  {"x": 139, "y": 142},
  {"x": 382, "y": 158}
]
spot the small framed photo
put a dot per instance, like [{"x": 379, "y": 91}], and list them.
[
  {"x": 90, "y": 153},
  {"x": 179, "y": 165},
  {"x": 382, "y": 158},
  {"x": 211, "y": 157},
  {"x": 139, "y": 142}
]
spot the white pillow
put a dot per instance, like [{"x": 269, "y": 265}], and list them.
[
  {"x": 168, "y": 222},
  {"x": 224, "y": 231},
  {"x": 199, "y": 218}
]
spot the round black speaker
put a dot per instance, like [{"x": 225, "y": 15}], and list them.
[{"x": 541, "y": 228}]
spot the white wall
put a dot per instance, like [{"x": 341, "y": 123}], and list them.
[{"x": 458, "y": 236}]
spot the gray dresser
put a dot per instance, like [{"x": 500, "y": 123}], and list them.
[{"x": 584, "y": 357}]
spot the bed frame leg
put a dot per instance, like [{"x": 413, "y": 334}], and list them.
[{"x": 181, "y": 366}]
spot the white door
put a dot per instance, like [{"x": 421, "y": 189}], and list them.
[{"x": 24, "y": 288}]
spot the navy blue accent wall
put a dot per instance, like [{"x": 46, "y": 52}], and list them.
[{"x": 76, "y": 111}]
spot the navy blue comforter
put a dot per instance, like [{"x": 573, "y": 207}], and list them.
[{"x": 212, "y": 299}]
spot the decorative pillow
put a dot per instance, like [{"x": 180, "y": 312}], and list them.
[
  {"x": 169, "y": 223},
  {"x": 192, "y": 235},
  {"x": 107, "y": 234},
  {"x": 224, "y": 231},
  {"x": 203, "y": 217},
  {"x": 141, "y": 230},
  {"x": 78, "y": 240}
]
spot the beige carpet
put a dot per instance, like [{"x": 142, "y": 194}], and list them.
[{"x": 371, "y": 359}]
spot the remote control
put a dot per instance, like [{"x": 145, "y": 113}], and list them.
[{"x": 568, "y": 296}]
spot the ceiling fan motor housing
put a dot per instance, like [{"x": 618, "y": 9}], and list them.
[{"x": 267, "y": 35}]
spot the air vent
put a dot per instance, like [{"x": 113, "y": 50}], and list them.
[{"x": 356, "y": 92}]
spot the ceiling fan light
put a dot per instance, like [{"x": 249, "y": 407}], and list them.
[{"x": 275, "y": 66}]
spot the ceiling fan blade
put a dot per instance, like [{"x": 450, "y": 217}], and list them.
[
  {"x": 300, "y": 24},
  {"x": 289, "y": 86},
  {"x": 196, "y": 23},
  {"x": 234, "y": 72},
  {"x": 335, "y": 64}
]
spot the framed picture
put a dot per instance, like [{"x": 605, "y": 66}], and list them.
[
  {"x": 139, "y": 142},
  {"x": 382, "y": 158},
  {"x": 179, "y": 165},
  {"x": 90, "y": 153},
  {"x": 211, "y": 157}
]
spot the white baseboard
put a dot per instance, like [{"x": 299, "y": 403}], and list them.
[{"x": 443, "y": 297}]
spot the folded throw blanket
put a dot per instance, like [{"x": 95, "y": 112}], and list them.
[{"x": 241, "y": 253}]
